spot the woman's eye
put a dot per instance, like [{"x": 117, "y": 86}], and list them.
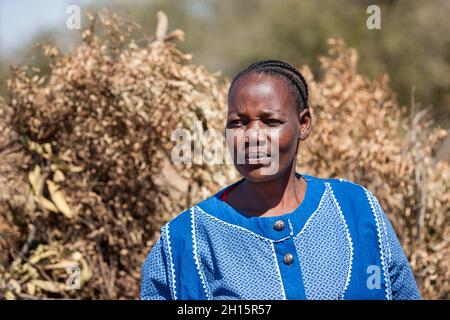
[
  {"x": 234, "y": 123},
  {"x": 273, "y": 121}
]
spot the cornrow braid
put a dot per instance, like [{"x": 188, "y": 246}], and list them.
[{"x": 283, "y": 69}]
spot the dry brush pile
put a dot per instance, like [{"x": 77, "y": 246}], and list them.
[{"x": 85, "y": 173}]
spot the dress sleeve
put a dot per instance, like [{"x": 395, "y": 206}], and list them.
[
  {"x": 403, "y": 284},
  {"x": 155, "y": 274}
]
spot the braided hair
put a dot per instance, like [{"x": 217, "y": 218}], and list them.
[{"x": 283, "y": 69}]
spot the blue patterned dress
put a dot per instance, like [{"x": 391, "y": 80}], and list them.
[{"x": 337, "y": 244}]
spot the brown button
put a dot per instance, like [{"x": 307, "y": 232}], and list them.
[
  {"x": 279, "y": 225},
  {"x": 288, "y": 258}
]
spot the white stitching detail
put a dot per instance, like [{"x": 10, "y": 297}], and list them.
[
  {"x": 388, "y": 247},
  {"x": 172, "y": 268},
  {"x": 290, "y": 226},
  {"x": 283, "y": 293},
  {"x": 240, "y": 228},
  {"x": 381, "y": 245},
  {"x": 197, "y": 262},
  {"x": 314, "y": 214},
  {"x": 347, "y": 282}
]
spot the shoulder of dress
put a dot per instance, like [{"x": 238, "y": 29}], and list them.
[
  {"x": 177, "y": 225},
  {"x": 348, "y": 191},
  {"x": 180, "y": 227},
  {"x": 343, "y": 185}
]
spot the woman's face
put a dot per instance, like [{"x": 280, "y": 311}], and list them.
[{"x": 265, "y": 126}]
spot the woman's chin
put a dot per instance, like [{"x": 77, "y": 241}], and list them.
[{"x": 257, "y": 172}]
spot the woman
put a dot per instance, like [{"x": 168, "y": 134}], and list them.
[{"x": 277, "y": 234}]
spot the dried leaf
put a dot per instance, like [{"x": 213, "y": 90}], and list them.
[
  {"x": 36, "y": 180},
  {"x": 50, "y": 286},
  {"x": 58, "y": 199}
]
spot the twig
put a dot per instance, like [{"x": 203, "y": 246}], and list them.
[
  {"x": 31, "y": 235},
  {"x": 416, "y": 118}
]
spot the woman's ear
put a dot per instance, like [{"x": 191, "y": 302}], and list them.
[{"x": 304, "y": 117}]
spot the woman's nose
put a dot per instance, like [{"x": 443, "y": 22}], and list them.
[{"x": 255, "y": 134}]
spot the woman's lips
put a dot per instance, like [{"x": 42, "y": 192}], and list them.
[
  {"x": 255, "y": 155},
  {"x": 257, "y": 158}
]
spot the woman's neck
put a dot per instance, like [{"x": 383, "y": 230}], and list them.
[{"x": 269, "y": 198}]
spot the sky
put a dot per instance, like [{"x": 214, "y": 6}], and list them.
[{"x": 22, "y": 20}]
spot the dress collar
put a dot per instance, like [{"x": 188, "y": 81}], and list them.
[{"x": 264, "y": 226}]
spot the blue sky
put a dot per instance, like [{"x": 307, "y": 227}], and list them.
[{"x": 22, "y": 20}]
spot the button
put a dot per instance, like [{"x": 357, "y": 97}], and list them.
[
  {"x": 279, "y": 225},
  {"x": 288, "y": 258}
]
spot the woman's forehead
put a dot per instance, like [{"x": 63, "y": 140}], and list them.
[{"x": 262, "y": 91}]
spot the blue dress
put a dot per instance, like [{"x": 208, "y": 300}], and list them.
[{"x": 337, "y": 244}]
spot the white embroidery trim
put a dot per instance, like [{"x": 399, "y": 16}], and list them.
[
  {"x": 388, "y": 247},
  {"x": 322, "y": 200},
  {"x": 387, "y": 242},
  {"x": 381, "y": 245},
  {"x": 277, "y": 267},
  {"x": 197, "y": 262},
  {"x": 349, "y": 238},
  {"x": 172, "y": 268}
]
